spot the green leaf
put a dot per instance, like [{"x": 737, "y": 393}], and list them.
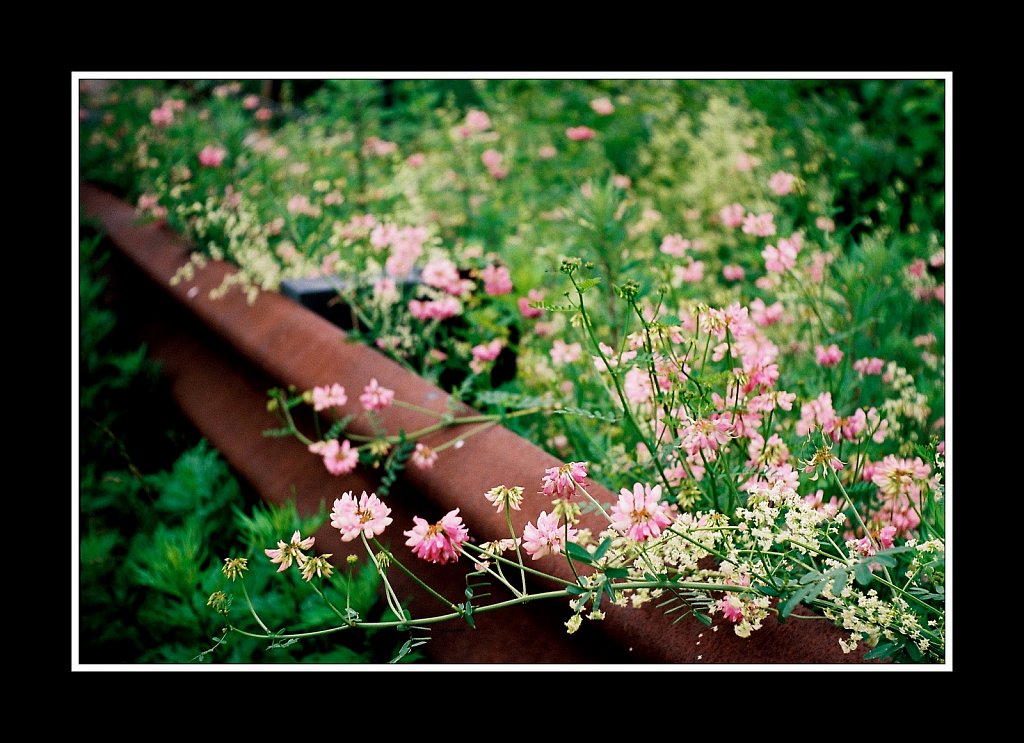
[
  {"x": 602, "y": 549},
  {"x": 883, "y": 650},
  {"x": 808, "y": 592},
  {"x": 573, "y": 590},
  {"x": 588, "y": 284},
  {"x": 617, "y": 572},
  {"x": 578, "y": 553},
  {"x": 862, "y": 573}
]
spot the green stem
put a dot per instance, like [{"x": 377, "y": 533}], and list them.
[
  {"x": 245, "y": 592},
  {"x": 415, "y": 578}
]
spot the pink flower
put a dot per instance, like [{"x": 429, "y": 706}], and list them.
[
  {"x": 780, "y": 259},
  {"x": 477, "y": 121},
  {"x": 782, "y": 182},
  {"x": 382, "y": 235},
  {"x": 940, "y": 293},
  {"x": 264, "y": 114},
  {"x": 379, "y": 147},
  {"x": 817, "y": 412},
  {"x": 339, "y": 459},
  {"x": 496, "y": 280},
  {"x": 547, "y": 152},
  {"x": 675, "y": 245},
  {"x": 565, "y": 353},
  {"x": 424, "y": 457},
  {"x": 637, "y": 386},
  {"x": 638, "y": 514},
  {"x": 828, "y": 356},
  {"x": 603, "y": 106},
  {"x": 211, "y": 156},
  {"x": 622, "y": 181},
  {"x": 367, "y": 515},
  {"x": 438, "y": 543},
  {"x": 534, "y": 295},
  {"x": 435, "y": 309},
  {"x": 733, "y": 272},
  {"x": 491, "y": 159},
  {"x": 547, "y": 537},
  {"x": 938, "y": 260},
  {"x": 161, "y": 117},
  {"x": 765, "y": 315},
  {"x": 745, "y": 163},
  {"x": 896, "y": 477},
  {"x": 487, "y": 351},
  {"x": 375, "y": 397},
  {"x": 872, "y": 365},
  {"x": 732, "y": 215},
  {"x": 864, "y": 547},
  {"x": 251, "y": 102},
  {"x": 286, "y": 552},
  {"x": 329, "y": 397},
  {"x": 416, "y": 160},
  {"x": 762, "y": 225},
  {"x": 731, "y": 608},
  {"x": 441, "y": 273},
  {"x": 561, "y": 481},
  {"x": 918, "y": 268},
  {"x": 887, "y": 536},
  {"x": 705, "y": 434},
  {"x": 580, "y": 133},
  {"x": 825, "y": 224},
  {"x": 690, "y": 274},
  {"x": 299, "y": 204}
]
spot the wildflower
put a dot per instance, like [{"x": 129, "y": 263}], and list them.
[
  {"x": 234, "y": 566},
  {"x": 637, "y": 386},
  {"x": 872, "y": 365},
  {"x": 761, "y": 225},
  {"x": 424, "y": 457},
  {"x": 491, "y": 158},
  {"x": 705, "y": 434},
  {"x": 823, "y": 458},
  {"x": 318, "y": 566},
  {"x": 779, "y": 259},
  {"x": 435, "y": 309},
  {"x": 828, "y": 355},
  {"x": 442, "y": 274},
  {"x": 765, "y": 315},
  {"x": 896, "y": 477},
  {"x": 745, "y": 163},
  {"x": 440, "y": 542},
  {"x": 689, "y": 274},
  {"x": 416, "y": 160},
  {"x": 547, "y": 537},
  {"x": 251, "y": 102},
  {"x": 375, "y": 397},
  {"x": 573, "y": 623},
  {"x": 161, "y": 116},
  {"x": 211, "y": 156},
  {"x": 565, "y": 353},
  {"x": 603, "y": 106},
  {"x": 782, "y": 182},
  {"x": 487, "y": 351},
  {"x": 562, "y": 481},
  {"x": 264, "y": 114},
  {"x": 220, "y": 602},
  {"x": 367, "y": 515},
  {"x": 547, "y": 152},
  {"x": 533, "y": 296},
  {"x": 477, "y": 121},
  {"x": 887, "y": 536},
  {"x": 732, "y": 272},
  {"x": 286, "y": 552},
  {"x": 731, "y": 215},
  {"x": 501, "y": 496},
  {"x": 580, "y": 133},
  {"x": 339, "y": 458},
  {"x": 496, "y": 280},
  {"x": 622, "y": 181},
  {"x": 675, "y": 245},
  {"x": 731, "y": 607},
  {"x": 329, "y": 397},
  {"x": 638, "y": 514}
]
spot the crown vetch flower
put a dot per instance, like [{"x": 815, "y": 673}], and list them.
[
  {"x": 439, "y": 543},
  {"x": 561, "y": 481},
  {"x": 329, "y": 397},
  {"x": 288, "y": 551},
  {"x": 375, "y": 397},
  {"x": 367, "y": 515},
  {"x": 547, "y": 537},
  {"x": 639, "y": 514}
]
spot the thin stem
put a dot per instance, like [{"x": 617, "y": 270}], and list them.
[
  {"x": 245, "y": 592},
  {"x": 412, "y": 575}
]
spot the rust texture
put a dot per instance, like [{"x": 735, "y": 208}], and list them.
[{"x": 287, "y": 344}]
